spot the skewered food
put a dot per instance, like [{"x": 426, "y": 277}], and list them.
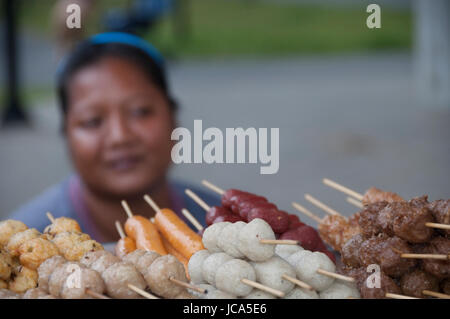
[
  {"x": 228, "y": 239},
  {"x": 8, "y": 228},
  {"x": 230, "y": 274},
  {"x": 258, "y": 294},
  {"x": 66, "y": 240},
  {"x": 413, "y": 283},
  {"x": 160, "y": 273},
  {"x": 284, "y": 251},
  {"x": 16, "y": 240},
  {"x": 211, "y": 236},
  {"x": 271, "y": 271},
  {"x": 145, "y": 234},
  {"x": 340, "y": 290},
  {"x": 307, "y": 264},
  {"x": 92, "y": 256},
  {"x": 59, "y": 276},
  {"x": 211, "y": 264},
  {"x": 8, "y": 294},
  {"x": 118, "y": 276},
  {"x": 134, "y": 256},
  {"x": 37, "y": 293},
  {"x": 301, "y": 293},
  {"x": 373, "y": 195},
  {"x": 46, "y": 269},
  {"x": 249, "y": 240},
  {"x": 88, "y": 279},
  {"x": 61, "y": 225},
  {"x": 144, "y": 262},
  {"x": 195, "y": 266},
  {"x": 6, "y": 263},
  {"x": 104, "y": 262},
  {"x": 23, "y": 279},
  {"x": 34, "y": 251}
]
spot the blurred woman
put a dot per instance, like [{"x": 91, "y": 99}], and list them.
[{"x": 118, "y": 115}]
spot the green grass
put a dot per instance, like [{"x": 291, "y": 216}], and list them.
[{"x": 254, "y": 28}]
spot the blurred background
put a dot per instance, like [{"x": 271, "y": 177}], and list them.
[{"x": 365, "y": 107}]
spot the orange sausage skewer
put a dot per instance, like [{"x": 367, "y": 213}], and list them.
[
  {"x": 143, "y": 232},
  {"x": 177, "y": 233},
  {"x": 125, "y": 245}
]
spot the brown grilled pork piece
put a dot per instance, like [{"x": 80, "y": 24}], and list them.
[
  {"x": 445, "y": 286},
  {"x": 350, "y": 251},
  {"x": 441, "y": 212},
  {"x": 438, "y": 268},
  {"x": 368, "y": 219},
  {"x": 407, "y": 221},
  {"x": 336, "y": 230},
  {"x": 415, "y": 282},
  {"x": 374, "y": 195},
  {"x": 386, "y": 252},
  {"x": 387, "y": 285}
]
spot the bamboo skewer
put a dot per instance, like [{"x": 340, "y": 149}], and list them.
[
  {"x": 343, "y": 189},
  {"x": 297, "y": 282},
  {"x": 95, "y": 294},
  {"x": 306, "y": 212},
  {"x": 321, "y": 205},
  {"x": 143, "y": 293},
  {"x": 259, "y": 286},
  {"x": 397, "y": 296},
  {"x": 152, "y": 203},
  {"x": 334, "y": 275},
  {"x": 197, "y": 199},
  {"x": 127, "y": 208},
  {"x": 426, "y": 256},
  {"x": 119, "y": 229},
  {"x": 213, "y": 187},
  {"x": 187, "y": 285},
  {"x": 354, "y": 202},
  {"x": 435, "y": 294},
  {"x": 192, "y": 219},
  {"x": 436, "y": 225},
  {"x": 50, "y": 217}
]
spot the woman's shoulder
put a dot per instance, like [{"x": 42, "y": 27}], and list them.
[{"x": 55, "y": 199}]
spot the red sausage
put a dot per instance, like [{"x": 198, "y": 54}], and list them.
[
  {"x": 277, "y": 219},
  {"x": 232, "y": 218},
  {"x": 215, "y": 212},
  {"x": 246, "y": 207},
  {"x": 294, "y": 221},
  {"x": 307, "y": 237}
]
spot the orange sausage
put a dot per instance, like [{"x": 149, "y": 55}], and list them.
[
  {"x": 144, "y": 234},
  {"x": 124, "y": 246},
  {"x": 177, "y": 233},
  {"x": 172, "y": 251}
]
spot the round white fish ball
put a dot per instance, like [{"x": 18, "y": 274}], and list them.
[
  {"x": 340, "y": 290},
  {"x": 229, "y": 239},
  {"x": 301, "y": 293},
  {"x": 211, "y": 264},
  {"x": 259, "y": 294},
  {"x": 270, "y": 273},
  {"x": 219, "y": 294},
  {"x": 211, "y": 236},
  {"x": 306, "y": 264},
  {"x": 249, "y": 240},
  {"x": 200, "y": 295},
  {"x": 229, "y": 277},
  {"x": 284, "y": 251},
  {"x": 195, "y": 266}
]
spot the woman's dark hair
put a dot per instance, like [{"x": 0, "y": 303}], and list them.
[{"x": 88, "y": 53}]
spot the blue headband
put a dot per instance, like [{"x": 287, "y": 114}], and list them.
[{"x": 131, "y": 40}]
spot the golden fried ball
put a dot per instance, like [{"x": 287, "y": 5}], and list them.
[
  {"x": 66, "y": 240},
  {"x": 18, "y": 239},
  {"x": 3, "y": 284},
  {"x": 35, "y": 251},
  {"x": 6, "y": 263},
  {"x": 8, "y": 228},
  {"x": 76, "y": 252},
  {"x": 26, "y": 279},
  {"x": 61, "y": 225}
]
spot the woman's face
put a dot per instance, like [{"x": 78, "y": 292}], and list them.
[{"x": 118, "y": 128}]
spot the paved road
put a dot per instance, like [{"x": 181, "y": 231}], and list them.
[{"x": 353, "y": 118}]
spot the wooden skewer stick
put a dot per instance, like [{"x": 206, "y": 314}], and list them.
[
  {"x": 213, "y": 187},
  {"x": 397, "y": 296},
  {"x": 95, "y": 294},
  {"x": 436, "y": 225},
  {"x": 143, "y": 293},
  {"x": 297, "y": 282},
  {"x": 50, "y": 217},
  {"x": 342, "y": 188},
  {"x": 321, "y": 205},
  {"x": 187, "y": 285},
  {"x": 259, "y": 286},
  {"x": 278, "y": 241},
  {"x": 127, "y": 208},
  {"x": 435, "y": 294},
  {"x": 192, "y": 219},
  {"x": 197, "y": 199},
  {"x": 355, "y": 202},
  {"x": 426, "y": 256},
  {"x": 306, "y": 212},
  {"x": 152, "y": 203},
  {"x": 334, "y": 275},
  {"x": 119, "y": 229}
]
